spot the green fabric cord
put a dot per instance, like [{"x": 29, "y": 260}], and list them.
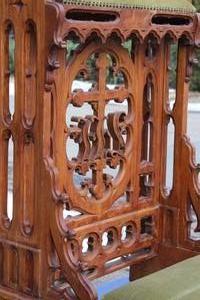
[
  {"x": 179, "y": 282},
  {"x": 167, "y": 5}
]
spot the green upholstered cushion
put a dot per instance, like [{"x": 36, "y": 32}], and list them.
[
  {"x": 171, "y": 5},
  {"x": 179, "y": 282}
]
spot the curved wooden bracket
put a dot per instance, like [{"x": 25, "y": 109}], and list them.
[{"x": 192, "y": 182}]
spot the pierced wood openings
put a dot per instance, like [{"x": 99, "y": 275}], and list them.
[
  {"x": 104, "y": 138},
  {"x": 85, "y": 121},
  {"x": 19, "y": 256},
  {"x": 8, "y": 108},
  {"x": 99, "y": 145}
]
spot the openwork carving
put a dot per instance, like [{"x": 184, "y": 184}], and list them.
[
  {"x": 147, "y": 132},
  {"x": 99, "y": 129},
  {"x": 87, "y": 128},
  {"x": 104, "y": 138}
]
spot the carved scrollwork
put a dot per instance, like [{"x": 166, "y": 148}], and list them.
[
  {"x": 193, "y": 191},
  {"x": 102, "y": 137}
]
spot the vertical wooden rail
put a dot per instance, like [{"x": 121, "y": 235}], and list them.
[
  {"x": 180, "y": 121},
  {"x": 189, "y": 193},
  {"x": 6, "y": 121},
  {"x": 173, "y": 224},
  {"x": 21, "y": 236},
  {"x": 180, "y": 114},
  {"x": 29, "y": 111}
]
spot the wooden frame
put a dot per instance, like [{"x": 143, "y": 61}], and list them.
[{"x": 124, "y": 215}]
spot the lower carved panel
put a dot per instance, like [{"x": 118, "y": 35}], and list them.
[{"x": 19, "y": 270}]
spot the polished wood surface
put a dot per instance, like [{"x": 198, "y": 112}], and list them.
[{"x": 79, "y": 216}]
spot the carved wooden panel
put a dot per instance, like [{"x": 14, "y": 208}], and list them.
[
  {"x": 105, "y": 139},
  {"x": 19, "y": 235},
  {"x": 100, "y": 179},
  {"x": 108, "y": 189},
  {"x": 85, "y": 142}
]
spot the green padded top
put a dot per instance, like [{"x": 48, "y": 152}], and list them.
[
  {"x": 167, "y": 5},
  {"x": 178, "y": 282}
]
